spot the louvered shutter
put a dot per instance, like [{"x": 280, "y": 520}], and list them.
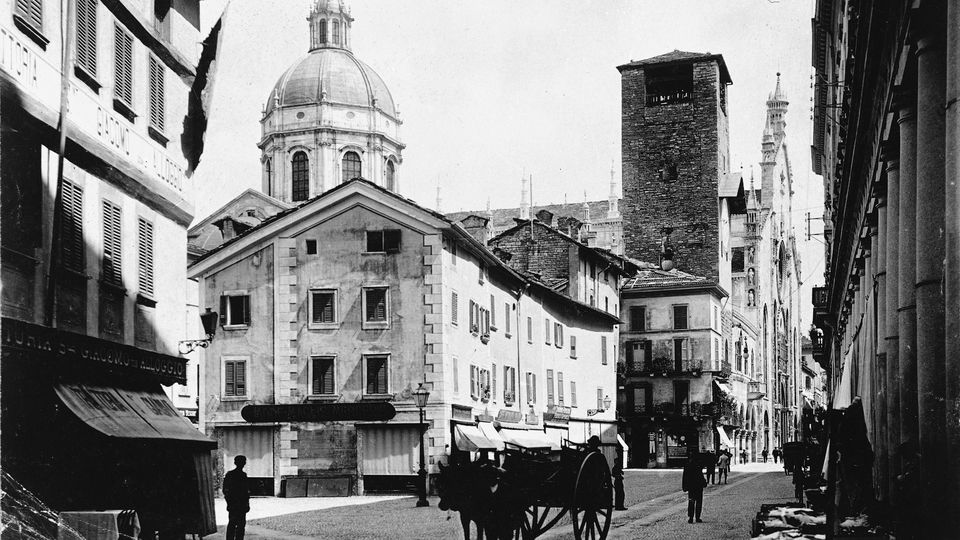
[
  {"x": 71, "y": 227},
  {"x": 560, "y": 388},
  {"x": 506, "y": 317},
  {"x": 603, "y": 349},
  {"x": 241, "y": 378},
  {"x": 328, "y": 376},
  {"x": 473, "y": 381},
  {"x": 549, "y": 387},
  {"x": 229, "y": 379},
  {"x": 573, "y": 394},
  {"x": 376, "y": 304},
  {"x": 493, "y": 381},
  {"x": 31, "y": 11},
  {"x": 145, "y": 263},
  {"x": 157, "y": 96},
  {"x": 382, "y": 376},
  {"x": 316, "y": 385},
  {"x": 112, "y": 264},
  {"x": 123, "y": 66},
  {"x": 573, "y": 348},
  {"x": 87, "y": 35},
  {"x": 493, "y": 311},
  {"x": 454, "y": 313}
]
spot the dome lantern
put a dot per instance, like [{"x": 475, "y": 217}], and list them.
[{"x": 330, "y": 24}]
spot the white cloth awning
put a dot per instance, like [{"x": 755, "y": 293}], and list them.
[
  {"x": 526, "y": 438},
  {"x": 470, "y": 439},
  {"x": 727, "y": 389},
  {"x": 490, "y": 432},
  {"x": 724, "y": 439},
  {"x": 622, "y": 443},
  {"x": 844, "y": 395}
]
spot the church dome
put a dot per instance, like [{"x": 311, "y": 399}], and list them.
[{"x": 332, "y": 75}]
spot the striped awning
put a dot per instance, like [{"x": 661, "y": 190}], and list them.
[{"x": 470, "y": 439}]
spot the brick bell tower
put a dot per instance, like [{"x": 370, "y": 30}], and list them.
[{"x": 675, "y": 150}]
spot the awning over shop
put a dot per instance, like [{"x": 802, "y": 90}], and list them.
[
  {"x": 526, "y": 438},
  {"x": 844, "y": 395},
  {"x": 491, "y": 433},
  {"x": 725, "y": 387},
  {"x": 129, "y": 414},
  {"x": 470, "y": 439},
  {"x": 556, "y": 436},
  {"x": 724, "y": 439}
]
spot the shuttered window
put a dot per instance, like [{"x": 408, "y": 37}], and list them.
[
  {"x": 506, "y": 318},
  {"x": 546, "y": 331},
  {"x": 531, "y": 387},
  {"x": 573, "y": 394},
  {"x": 493, "y": 311},
  {"x": 456, "y": 375},
  {"x": 145, "y": 258},
  {"x": 235, "y": 378},
  {"x": 454, "y": 308},
  {"x": 509, "y": 384},
  {"x": 474, "y": 381},
  {"x": 573, "y": 347},
  {"x": 71, "y": 227},
  {"x": 549, "y": 387},
  {"x": 123, "y": 66},
  {"x": 87, "y": 35},
  {"x": 111, "y": 271},
  {"x": 377, "y": 374},
  {"x": 493, "y": 381},
  {"x": 603, "y": 349},
  {"x": 31, "y": 13},
  {"x": 529, "y": 329},
  {"x": 600, "y": 399},
  {"x": 157, "y": 95},
  {"x": 323, "y": 306},
  {"x": 323, "y": 375},
  {"x": 375, "y": 304},
  {"x": 560, "y": 388}
]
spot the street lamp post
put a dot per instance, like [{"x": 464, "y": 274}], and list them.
[{"x": 421, "y": 396}]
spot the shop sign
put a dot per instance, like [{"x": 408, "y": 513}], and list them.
[
  {"x": 508, "y": 416},
  {"x": 40, "y": 79},
  {"x": 557, "y": 414},
  {"x": 459, "y": 412},
  {"x": 73, "y": 347},
  {"x": 484, "y": 418},
  {"x": 532, "y": 419},
  {"x": 319, "y": 412}
]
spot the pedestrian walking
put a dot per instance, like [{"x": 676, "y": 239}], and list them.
[
  {"x": 743, "y": 456},
  {"x": 693, "y": 483},
  {"x": 711, "y": 462},
  {"x": 798, "y": 483},
  {"x": 237, "y": 494},
  {"x": 764, "y": 454},
  {"x": 776, "y": 454},
  {"x": 723, "y": 465}
]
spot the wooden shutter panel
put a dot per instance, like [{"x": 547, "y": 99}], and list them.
[
  {"x": 223, "y": 311},
  {"x": 241, "y": 378},
  {"x": 493, "y": 382},
  {"x": 316, "y": 383},
  {"x": 71, "y": 227},
  {"x": 473, "y": 381},
  {"x": 87, "y": 35},
  {"x": 328, "y": 376},
  {"x": 549, "y": 387},
  {"x": 157, "y": 95},
  {"x": 123, "y": 65},
  {"x": 391, "y": 240},
  {"x": 31, "y": 11},
  {"x": 112, "y": 261},
  {"x": 382, "y": 376},
  {"x": 371, "y": 374},
  {"x": 246, "y": 310},
  {"x": 229, "y": 379},
  {"x": 573, "y": 394},
  {"x": 573, "y": 347},
  {"x": 145, "y": 263},
  {"x": 454, "y": 310},
  {"x": 603, "y": 349},
  {"x": 560, "y": 388}
]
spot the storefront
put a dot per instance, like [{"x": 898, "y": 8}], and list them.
[{"x": 86, "y": 425}]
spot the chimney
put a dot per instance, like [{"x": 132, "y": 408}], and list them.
[
  {"x": 478, "y": 227},
  {"x": 546, "y": 217},
  {"x": 227, "y": 229}
]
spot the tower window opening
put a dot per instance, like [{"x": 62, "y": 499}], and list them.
[
  {"x": 268, "y": 171},
  {"x": 336, "y": 32},
  {"x": 389, "y": 180},
  {"x": 669, "y": 84},
  {"x": 301, "y": 177},
  {"x": 351, "y": 166},
  {"x": 323, "y": 31},
  {"x": 669, "y": 172}
]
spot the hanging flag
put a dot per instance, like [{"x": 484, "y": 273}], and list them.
[{"x": 201, "y": 97}]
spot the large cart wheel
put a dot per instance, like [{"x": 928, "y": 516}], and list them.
[{"x": 592, "y": 502}]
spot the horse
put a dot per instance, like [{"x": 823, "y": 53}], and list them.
[{"x": 476, "y": 490}]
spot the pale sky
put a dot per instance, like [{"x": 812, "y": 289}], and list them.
[{"x": 490, "y": 90}]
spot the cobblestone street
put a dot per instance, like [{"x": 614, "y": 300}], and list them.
[{"x": 656, "y": 510}]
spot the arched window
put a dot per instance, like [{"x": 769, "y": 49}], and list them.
[
  {"x": 336, "y": 32},
  {"x": 301, "y": 176},
  {"x": 323, "y": 30},
  {"x": 350, "y": 166},
  {"x": 390, "y": 176},
  {"x": 268, "y": 174}
]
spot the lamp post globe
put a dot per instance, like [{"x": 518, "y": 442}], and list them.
[
  {"x": 606, "y": 403},
  {"x": 420, "y": 397}
]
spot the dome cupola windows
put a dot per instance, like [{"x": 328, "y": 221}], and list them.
[
  {"x": 330, "y": 22},
  {"x": 301, "y": 176},
  {"x": 350, "y": 166}
]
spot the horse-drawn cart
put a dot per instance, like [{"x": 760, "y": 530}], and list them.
[{"x": 532, "y": 492}]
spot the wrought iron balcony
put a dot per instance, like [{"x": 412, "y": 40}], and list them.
[{"x": 664, "y": 367}]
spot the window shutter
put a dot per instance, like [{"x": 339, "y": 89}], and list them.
[
  {"x": 573, "y": 394},
  {"x": 560, "y": 388},
  {"x": 473, "y": 381},
  {"x": 533, "y": 379},
  {"x": 382, "y": 376},
  {"x": 454, "y": 311},
  {"x": 317, "y": 382},
  {"x": 71, "y": 227},
  {"x": 493, "y": 383},
  {"x": 530, "y": 329},
  {"x": 506, "y": 316},
  {"x": 157, "y": 94},
  {"x": 391, "y": 240},
  {"x": 603, "y": 349},
  {"x": 456, "y": 375},
  {"x": 493, "y": 311},
  {"x": 229, "y": 379},
  {"x": 328, "y": 376},
  {"x": 246, "y": 309},
  {"x": 599, "y": 398},
  {"x": 473, "y": 321},
  {"x": 549, "y": 387},
  {"x": 573, "y": 347},
  {"x": 241, "y": 378},
  {"x": 123, "y": 65},
  {"x": 546, "y": 331},
  {"x": 87, "y": 35},
  {"x": 529, "y": 388},
  {"x": 31, "y": 11},
  {"x": 145, "y": 263},
  {"x": 223, "y": 310},
  {"x": 112, "y": 263}
]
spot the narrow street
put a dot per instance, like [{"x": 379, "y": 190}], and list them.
[{"x": 656, "y": 510}]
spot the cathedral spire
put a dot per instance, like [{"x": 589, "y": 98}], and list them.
[{"x": 777, "y": 111}]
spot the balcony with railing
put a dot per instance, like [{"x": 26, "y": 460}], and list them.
[
  {"x": 663, "y": 367},
  {"x": 821, "y": 305},
  {"x": 756, "y": 390},
  {"x": 670, "y": 409}
]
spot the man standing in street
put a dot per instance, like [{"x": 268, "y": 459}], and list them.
[
  {"x": 710, "y": 459},
  {"x": 764, "y": 454},
  {"x": 723, "y": 464},
  {"x": 693, "y": 483},
  {"x": 237, "y": 495}
]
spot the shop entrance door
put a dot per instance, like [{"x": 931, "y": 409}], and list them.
[{"x": 257, "y": 445}]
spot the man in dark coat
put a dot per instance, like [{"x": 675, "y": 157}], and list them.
[
  {"x": 693, "y": 484},
  {"x": 237, "y": 495},
  {"x": 710, "y": 460}
]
